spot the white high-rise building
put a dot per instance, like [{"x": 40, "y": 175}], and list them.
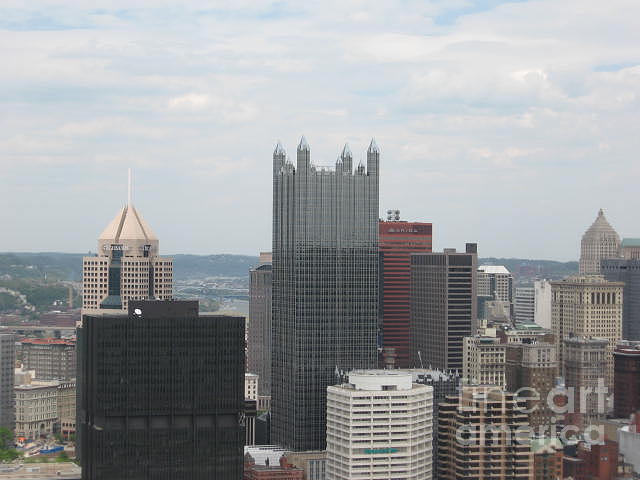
[
  {"x": 379, "y": 426},
  {"x": 484, "y": 359},
  {"x": 600, "y": 241},
  {"x": 542, "y": 306},
  {"x": 524, "y": 305},
  {"x": 127, "y": 265},
  {"x": 495, "y": 281}
]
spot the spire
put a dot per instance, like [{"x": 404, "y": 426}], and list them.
[
  {"x": 303, "y": 145},
  {"x": 346, "y": 152},
  {"x": 373, "y": 147},
  {"x": 601, "y": 213},
  {"x": 279, "y": 150},
  {"x": 130, "y": 190}
]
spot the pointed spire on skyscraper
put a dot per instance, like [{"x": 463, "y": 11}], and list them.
[
  {"x": 279, "y": 150},
  {"x": 303, "y": 145},
  {"x": 346, "y": 152},
  {"x": 373, "y": 147}
]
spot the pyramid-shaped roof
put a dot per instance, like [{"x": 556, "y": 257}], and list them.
[
  {"x": 601, "y": 225},
  {"x": 128, "y": 224}
]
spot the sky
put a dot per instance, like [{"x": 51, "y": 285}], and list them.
[{"x": 507, "y": 123}]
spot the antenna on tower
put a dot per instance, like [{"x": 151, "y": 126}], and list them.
[{"x": 129, "y": 189}]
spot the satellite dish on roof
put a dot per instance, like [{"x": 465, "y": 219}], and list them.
[{"x": 137, "y": 311}]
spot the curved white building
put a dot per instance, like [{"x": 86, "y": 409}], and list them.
[
  {"x": 598, "y": 242},
  {"x": 379, "y": 426}
]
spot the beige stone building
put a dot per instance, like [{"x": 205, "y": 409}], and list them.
[
  {"x": 66, "y": 404},
  {"x": 598, "y": 242},
  {"x": 589, "y": 306},
  {"x": 36, "y": 409},
  {"x": 484, "y": 359},
  {"x": 127, "y": 266}
]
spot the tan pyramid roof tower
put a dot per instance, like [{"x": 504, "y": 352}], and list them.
[
  {"x": 127, "y": 265},
  {"x": 598, "y": 242}
]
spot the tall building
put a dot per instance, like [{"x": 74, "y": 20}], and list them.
[
  {"x": 585, "y": 368},
  {"x": 259, "y": 329},
  {"x": 7, "y": 363},
  {"x": 542, "y": 303},
  {"x": 489, "y": 447},
  {"x": 325, "y": 286},
  {"x": 379, "y": 425},
  {"x": 630, "y": 248},
  {"x": 626, "y": 382},
  {"x": 600, "y": 241},
  {"x": 495, "y": 281},
  {"x": 484, "y": 359},
  {"x": 66, "y": 407},
  {"x": 160, "y": 393},
  {"x": 627, "y": 271},
  {"x": 398, "y": 240},
  {"x": 524, "y": 305},
  {"x": 443, "y": 306},
  {"x": 126, "y": 267},
  {"x": 51, "y": 358},
  {"x": 588, "y": 306},
  {"x": 534, "y": 365}
]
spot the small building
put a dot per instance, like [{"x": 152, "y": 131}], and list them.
[
  {"x": 547, "y": 458},
  {"x": 283, "y": 470}
]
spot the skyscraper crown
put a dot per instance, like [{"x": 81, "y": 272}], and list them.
[{"x": 303, "y": 145}]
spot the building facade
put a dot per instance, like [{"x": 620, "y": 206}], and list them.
[
  {"x": 126, "y": 267},
  {"x": 484, "y": 359},
  {"x": 542, "y": 303},
  {"x": 7, "y": 380},
  {"x": 627, "y": 271},
  {"x": 66, "y": 405},
  {"x": 492, "y": 450},
  {"x": 626, "y": 381},
  {"x": 379, "y": 425},
  {"x": 547, "y": 459},
  {"x": 36, "y": 409},
  {"x": 160, "y": 393},
  {"x": 585, "y": 369},
  {"x": 325, "y": 286},
  {"x": 398, "y": 240},
  {"x": 524, "y": 305},
  {"x": 630, "y": 248},
  {"x": 588, "y": 306},
  {"x": 600, "y": 241},
  {"x": 259, "y": 328},
  {"x": 443, "y": 306},
  {"x": 495, "y": 287},
  {"x": 51, "y": 358}
]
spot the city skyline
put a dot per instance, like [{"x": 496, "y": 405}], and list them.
[{"x": 468, "y": 102}]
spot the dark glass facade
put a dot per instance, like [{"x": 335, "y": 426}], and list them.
[
  {"x": 325, "y": 287},
  {"x": 160, "y": 394},
  {"x": 627, "y": 271},
  {"x": 443, "y": 306}
]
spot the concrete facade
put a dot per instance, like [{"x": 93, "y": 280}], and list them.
[
  {"x": 600, "y": 241},
  {"x": 36, "y": 409},
  {"x": 484, "y": 359},
  {"x": 51, "y": 358}
]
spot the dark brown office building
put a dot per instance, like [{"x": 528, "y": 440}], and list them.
[
  {"x": 398, "y": 240},
  {"x": 443, "y": 306},
  {"x": 51, "y": 358},
  {"x": 626, "y": 379},
  {"x": 160, "y": 394}
]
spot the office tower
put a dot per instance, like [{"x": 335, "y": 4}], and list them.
[
  {"x": 36, "y": 409},
  {"x": 126, "y": 267},
  {"x": 495, "y": 281},
  {"x": 160, "y": 393},
  {"x": 534, "y": 365},
  {"x": 585, "y": 368},
  {"x": 524, "y": 305},
  {"x": 630, "y": 248},
  {"x": 626, "y": 383},
  {"x": 484, "y": 359},
  {"x": 325, "y": 286},
  {"x": 66, "y": 408},
  {"x": 489, "y": 446},
  {"x": 379, "y": 425},
  {"x": 524, "y": 333},
  {"x": 627, "y": 271},
  {"x": 7, "y": 364},
  {"x": 542, "y": 303},
  {"x": 398, "y": 240},
  {"x": 443, "y": 306},
  {"x": 547, "y": 458},
  {"x": 589, "y": 306},
  {"x": 51, "y": 358},
  {"x": 259, "y": 329},
  {"x": 600, "y": 241}
]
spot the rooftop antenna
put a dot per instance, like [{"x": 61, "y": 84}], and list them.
[
  {"x": 129, "y": 189},
  {"x": 420, "y": 357}
]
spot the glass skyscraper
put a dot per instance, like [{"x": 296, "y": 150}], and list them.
[{"x": 325, "y": 286}]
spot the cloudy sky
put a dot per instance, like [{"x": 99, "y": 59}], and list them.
[{"x": 505, "y": 123}]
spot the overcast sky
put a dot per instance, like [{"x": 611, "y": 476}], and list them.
[{"x": 505, "y": 123}]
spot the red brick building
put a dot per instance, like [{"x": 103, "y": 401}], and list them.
[
  {"x": 626, "y": 379},
  {"x": 283, "y": 471},
  {"x": 398, "y": 240},
  {"x": 547, "y": 459},
  {"x": 593, "y": 462}
]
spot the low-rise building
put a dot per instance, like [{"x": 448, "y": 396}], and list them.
[
  {"x": 313, "y": 463},
  {"x": 36, "y": 409},
  {"x": 547, "y": 458}
]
